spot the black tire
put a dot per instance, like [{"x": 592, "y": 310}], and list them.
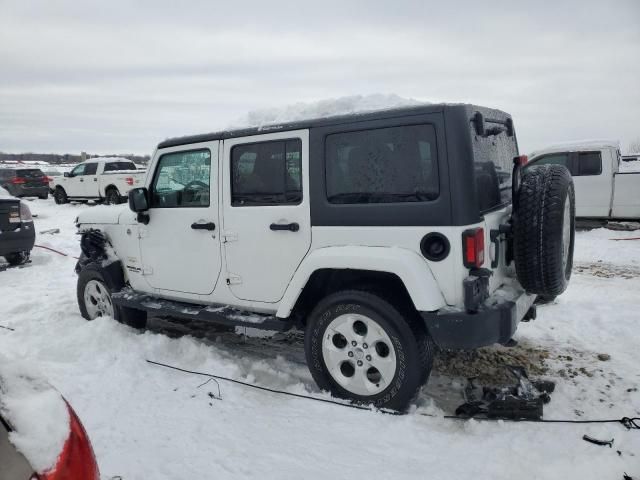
[
  {"x": 113, "y": 281},
  {"x": 543, "y": 261},
  {"x": 112, "y": 196},
  {"x": 18, "y": 258},
  {"x": 413, "y": 347},
  {"x": 60, "y": 196},
  {"x": 44, "y": 197}
]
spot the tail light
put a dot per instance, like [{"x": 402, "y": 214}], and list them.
[
  {"x": 18, "y": 181},
  {"x": 47, "y": 179},
  {"x": 129, "y": 180},
  {"x": 76, "y": 461},
  {"x": 473, "y": 247},
  {"x": 522, "y": 160},
  {"x": 25, "y": 213}
]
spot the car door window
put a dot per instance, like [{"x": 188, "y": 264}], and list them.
[
  {"x": 553, "y": 159},
  {"x": 90, "y": 169},
  {"x": 79, "y": 170},
  {"x": 589, "y": 163},
  {"x": 182, "y": 179},
  {"x": 266, "y": 173}
]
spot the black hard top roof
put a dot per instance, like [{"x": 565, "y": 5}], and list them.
[{"x": 315, "y": 122}]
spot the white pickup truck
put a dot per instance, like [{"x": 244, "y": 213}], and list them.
[
  {"x": 99, "y": 179},
  {"x": 605, "y": 188}
]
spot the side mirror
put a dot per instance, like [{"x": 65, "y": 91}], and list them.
[
  {"x": 139, "y": 199},
  {"x": 67, "y": 174}
]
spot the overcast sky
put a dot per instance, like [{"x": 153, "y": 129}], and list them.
[{"x": 118, "y": 77}]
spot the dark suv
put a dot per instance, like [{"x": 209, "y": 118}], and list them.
[
  {"x": 25, "y": 182},
  {"x": 17, "y": 234}
]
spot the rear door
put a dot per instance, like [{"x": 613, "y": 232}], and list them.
[
  {"x": 593, "y": 182},
  {"x": 267, "y": 225},
  {"x": 180, "y": 247},
  {"x": 31, "y": 178}
]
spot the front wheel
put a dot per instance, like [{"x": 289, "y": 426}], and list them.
[
  {"x": 19, "y": 258},
  {"x": 360, "y": 347},
  {"x": 60, "y": 196},
  {"x": 94, "y": 289},
  {"x": 112, "y": 197}
]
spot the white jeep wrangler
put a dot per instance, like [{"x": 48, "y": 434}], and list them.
[{"x": 381, "y": 234}]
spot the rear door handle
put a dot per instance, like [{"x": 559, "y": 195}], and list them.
[
  {"x": 203, "y": 226},
  {"x": 292, "y": 227}
]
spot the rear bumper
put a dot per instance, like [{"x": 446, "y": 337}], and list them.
[
  {"x": 495, "y": 321},
  {"x": 20, "y": 240},
  {"x": 24, "y": 191}
]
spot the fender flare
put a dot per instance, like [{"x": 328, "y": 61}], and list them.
[{"x": 412, "y": 269}]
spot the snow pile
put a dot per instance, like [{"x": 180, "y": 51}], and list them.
[
  {"x": 36, "y": 412},
  {"x": 324, "y": 108}
]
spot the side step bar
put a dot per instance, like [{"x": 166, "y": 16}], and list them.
[{"x": 220, "y": 314}]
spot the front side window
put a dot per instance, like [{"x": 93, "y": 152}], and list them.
[
  {"x": 383, "y": 165},
  {"x": 79, "y": 170},
  {"x": 589, "y": 163},
  {"x": 553, "y": 159},
  {"x": 182, "y": 179},
  {"x": 266, "y": 173}
]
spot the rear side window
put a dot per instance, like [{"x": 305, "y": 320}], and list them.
[
  {"x": 116, "y": 166},
  {"x": 30, "y": 173},
  {"x": 589, "y": 163},
  {"x": 266, "y": 173},
  {"x": 384, "y": 165}
]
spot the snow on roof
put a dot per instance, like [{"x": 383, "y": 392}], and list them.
[
  {"x": 36, "y": 412},
  {"x": 323, "y": 108},
  {"x": 577, "y": 145}
]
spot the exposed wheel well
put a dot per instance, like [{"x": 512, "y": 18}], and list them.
[
  {"x": 111, "y": 187},
  {"x": 326, "y": 281}
]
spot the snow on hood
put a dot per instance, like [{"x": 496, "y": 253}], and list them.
[
  {"x": 36, "y": 411},
  {"x": 104, "y": 214},
  {"x": 324, "y": 108}
]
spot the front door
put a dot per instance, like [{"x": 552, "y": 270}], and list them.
[
  {"x": 267, "y": 226},
  {"x": 180, "y": 247}
]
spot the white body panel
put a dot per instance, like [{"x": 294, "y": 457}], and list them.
[
  {"x": 94, "y": 186},
  {"x": 406, "y": 264},
  {"x": 626, "y": 196},
  {"x": 609, "y": 195},
  {"x": 260, "y": 262}
]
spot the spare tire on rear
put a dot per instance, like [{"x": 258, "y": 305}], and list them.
[{"x": 544, "y": 229}]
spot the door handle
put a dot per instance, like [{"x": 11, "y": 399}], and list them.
[
  {"x": 292, "y": 227},
  {"x": 82, "y": 179},
  {"x": 95, "y": 179},
  {"x": 203, "y": 226}
]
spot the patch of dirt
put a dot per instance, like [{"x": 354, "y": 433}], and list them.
[
  {"x": 605, "y": 270},
  {"x": 488, "y": 364}
]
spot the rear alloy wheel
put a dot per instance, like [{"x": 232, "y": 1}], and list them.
[
  {"x": 360, "y": 347},
  {"x": 19, "y": 258},
  {"x": 60, "y": 196},
  {"x": 112, "y": 197}
]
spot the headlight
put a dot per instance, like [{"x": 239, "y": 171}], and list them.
[{"x": 25, "y": 213}]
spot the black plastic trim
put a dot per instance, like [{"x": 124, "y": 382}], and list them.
[
  {"x": 435, "y": 236},
  {"x": 461, "y": 330}
]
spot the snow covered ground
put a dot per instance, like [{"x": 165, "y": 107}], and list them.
[{"x": 149, "y": 422}]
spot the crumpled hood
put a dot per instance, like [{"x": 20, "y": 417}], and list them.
[{"x": 107, "y": 215}]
